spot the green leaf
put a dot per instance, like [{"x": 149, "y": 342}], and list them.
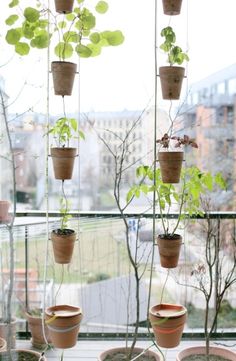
[
  {"x": 13, "y": 36},
  {"x": 73, "y": 123},
  {"x": 114, "y": 38},
  {"x": 81, "y": 134},
  {"x": 95, "y": 48},
  {"x": 11, "y": 19},
  {"x": 41, "y": 41},
  {"x": 63, "y": 50},
  {"x": 94, "y": 38},
  {"x": 70, "y": 17},
  {"x": 102, "y": 7},
  {"x": 83, "y": 51},
  {"x": 80, "y": 1},
  {"x": 22, "y": 48},
  {"x": 220, "y": 181},
  {"x": 130, "y": 194},
  {"x": 89, "y": 22},
  {"x": 31, "y": 14},
  {"x": 13, "y": 3},
  {"x": 71, "y": 37}
]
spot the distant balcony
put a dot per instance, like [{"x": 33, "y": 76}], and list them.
[{"x": 219, "y": 131}]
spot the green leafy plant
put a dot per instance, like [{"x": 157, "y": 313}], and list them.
[
  {"x": 64, "y": 130},
  {"x": 187, "y": 195},
  {"x": 76, "y": 34},
  {"x": 174, "y": 52},
  {"x": 29, "y": 28}
]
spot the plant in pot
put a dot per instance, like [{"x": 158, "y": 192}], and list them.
[
  {"x": 168, "y": 320},
  {"x": 35, "y": 322},
  {"x": 63, "y": 156},
  {"x": 63, "y": 238},
  {"x": 170, "y": 161},
  {"x": 9, "y": 323},
  {"x": 171, "y": 76},
  {"x": 77, "y": 36},
  {"x": 213, "y": 276},
  {"x": 172, "y": 7}
]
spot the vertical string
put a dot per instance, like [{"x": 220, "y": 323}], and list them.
[{"x": 46, "y": 183}]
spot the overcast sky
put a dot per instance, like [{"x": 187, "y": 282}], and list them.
[{"x": 123, "y": 77}]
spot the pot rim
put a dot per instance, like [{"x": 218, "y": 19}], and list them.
[
  {"x": 138, "y": 349},
  {"x": 181, "y": 312},
  {"x": 203, "y": 347},
  {"x": 62, "y": 62},
  {"x": 171, "y": 66},
  {"x": 49, "y": 311}
]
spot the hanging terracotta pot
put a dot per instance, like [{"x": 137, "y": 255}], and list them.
[
  {"x": 3, "y": 345},
  {"x": 63, "y": 245},
  {"x": 63, "y": 75},
  {"x": 4, "y": 207},
  {"x": 169, "y": 249},
  {"x": 172, "y": 7},
  {"x": 63, "y": 162},
  {"x": 226, "y": 354},
  {"x": 171, "y": 78},
  {"x": 170, "y": 165},
  {"x": 114, "y": 352},
  {"x": 4, "y": 327},
  {"x": 36, "y": 329},
  {"x": 64, "y": 6},
  {"x": 167, "y": 322},
  {"x": 63, "y": 322}
]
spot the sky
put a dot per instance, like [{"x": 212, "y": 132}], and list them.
[{"x": 123, "y": 77}]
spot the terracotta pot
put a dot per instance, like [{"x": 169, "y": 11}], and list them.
[
  {"x": 167, "y": 322},
  {"x": 201, "y": 350},
  {"x": 169, "y": 249},
  {"x": 63, "y": 322},
  {"x": 171, "y": 78},
  {"x": 170, "y": 165},
  {"x": 4, "y": 207},
  {"x": 64, "y": 6},
  {"x": 24, "y": 355},
  {"x": 63, "y": 246},
  {"x": 63, "y": 75},
  {"x": 36, "y": 329},
  {"x": 113, "y": 351},
  {"x": 3, "y": 345},
  {"x": 63, "y": 162},
  {"x": 172, "y": 7},
  {"x": 4, "y": 331}
]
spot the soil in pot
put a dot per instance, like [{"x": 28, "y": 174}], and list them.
[
  {"x": 120, "y": 354},
  {"x": 21, "y": 355},
  {"x": 204, "y": 358}
]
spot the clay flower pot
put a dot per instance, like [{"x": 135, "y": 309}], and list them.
[
  {"x": 36, "y": 329},
  {"x": 63, "y": 245},
  {"x": 63, "y": 322},
  {"x": 123, "y": 350},
  {"x": 171, "y": 78},
  {"x": 4, "y": 207},
  {"x": 64, "y": 6},
  {"x": 63, "y": 75},
  {"x": 169, "y": 249},
  {"x": 201, "y": 350},
  {"x": 23, "y": 355},
  {"x": 3, "y": 345},
  {"x": 171, "y": 7},
  {"x": 167, "y": 322},
  {"x": 170, "y": 165},
  {"x": 63, "y": 162}
]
